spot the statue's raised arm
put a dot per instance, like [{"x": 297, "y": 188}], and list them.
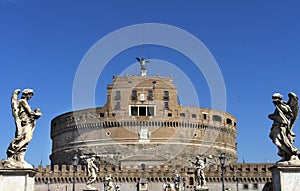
[{"x": 284, "y": 118}]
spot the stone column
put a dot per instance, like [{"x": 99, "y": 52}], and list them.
[
  {"x": 17, "y": 179},
  {"x": 286, "y": 178}
]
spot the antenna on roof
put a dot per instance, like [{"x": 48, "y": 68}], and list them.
[
  {"x": 143, "y": 50},
  {"x": 41, "y": 162}
]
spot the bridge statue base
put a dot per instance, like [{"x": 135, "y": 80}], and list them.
[
  {"x": 17, "y": 179},
  {"x": 285, "y": 177}
]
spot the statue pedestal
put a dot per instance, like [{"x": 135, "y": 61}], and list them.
[
  {"x": 285, "y": 177},
  {"x": 17, "y": 179}
]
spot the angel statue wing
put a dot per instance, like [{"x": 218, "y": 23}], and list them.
[{"x": 293, "y": 103}]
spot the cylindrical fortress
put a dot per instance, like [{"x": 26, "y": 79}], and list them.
[{"x": 142, "y": 123}]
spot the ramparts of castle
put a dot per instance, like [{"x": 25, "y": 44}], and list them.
[{"x": 242, "y": 174}]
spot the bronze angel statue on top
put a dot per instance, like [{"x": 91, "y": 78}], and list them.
[{"x": 284, "y": 118}]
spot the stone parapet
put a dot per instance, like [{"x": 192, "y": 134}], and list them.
[{"x": 243, "y": 173}]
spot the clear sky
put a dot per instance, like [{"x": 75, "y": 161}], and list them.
[{"x": 256, "y": 45}]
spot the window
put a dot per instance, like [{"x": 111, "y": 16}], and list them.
[
  {"x": 118, "y": 105},
  {"x": 101, "y": 114},
  {"x": 150, "y": 111},
  {"x": 134, "y": 95},
  {"x": 118, "y": 95},
  {"x": 150, "y": 95},
  {"x": 255, "y": 186},
  {"x": 194, "y": 115},
  {"x": 154, "y": 84},
  {"x": 182, "y": 114},
  {"x": 142, "y": 110},
  {"x": 245, "y": 186},
  {"x": 166, "y": 105},
  {"x": 217, "y": 118},
  {"x": 166, "y": 95},
  {"x": 169, "y": 114},
  {"x": 204, "y": 116},
  {"x": 134, "y": 111},
  {"x": 228, "y": 121},
  {"x": 191, "y": 181}
]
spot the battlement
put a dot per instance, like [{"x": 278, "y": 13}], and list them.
[{"x": 247, "y": 173}]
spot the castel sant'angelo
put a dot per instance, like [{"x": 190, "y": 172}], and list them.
[{"x": 142, "y": 135}]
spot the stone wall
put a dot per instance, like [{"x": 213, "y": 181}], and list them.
[
  {"x": 112, "y": 137},
  {"x": 252, "y": 176},
  {"x": 173, "y": 134}
]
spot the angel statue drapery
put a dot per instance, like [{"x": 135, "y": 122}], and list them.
[
  {"x": 284, "y": 118},
  {"x": 25, "y": 120},
  {"x": 92, "y": 170},
  {"x": 199, "y": 172}
]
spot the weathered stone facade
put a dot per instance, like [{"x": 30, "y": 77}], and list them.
[
  {"x": 143, "y": 134},
  {"x": 249, "y": 177},
  {"x": 142, "y": 122}
]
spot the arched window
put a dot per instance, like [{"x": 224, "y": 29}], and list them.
[
  {"x": 118, "y": 95},
  {"x": 191, "y": 181},
  {"x": 228, "y": 121},
  {"x": 134, "y": 95},
  {"x": 217, "y": 118},
  {"x": 166, "y": 95}
]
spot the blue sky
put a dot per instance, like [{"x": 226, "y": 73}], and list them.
[{"x": 255, "y": 43}]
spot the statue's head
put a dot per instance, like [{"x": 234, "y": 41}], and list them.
[
  {"x": 277, "y": 96},
  {"x": 27, "y": 92}
]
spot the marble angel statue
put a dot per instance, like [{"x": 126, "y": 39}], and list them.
[
  {"x": 284, "y": 118},
  {"x": 25, "y": 121}
]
